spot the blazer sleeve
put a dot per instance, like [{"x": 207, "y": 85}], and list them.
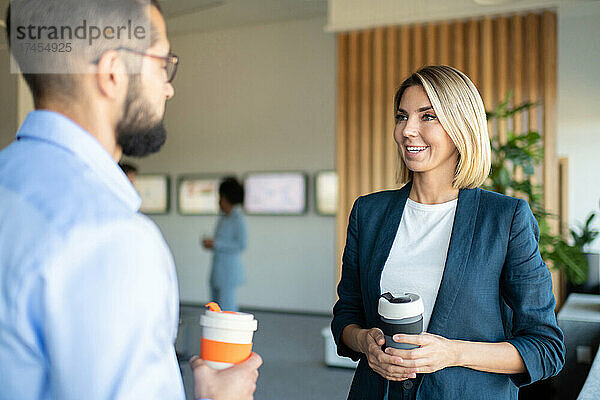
[
  {"x": 349, "y": 307},
  {"x": 235, "y": 243},
  {"x": 527, "y": 289}
]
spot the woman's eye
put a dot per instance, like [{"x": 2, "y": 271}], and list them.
[
  {"x": 400, "y": 117},
  {"x": 429, "y": 117}
]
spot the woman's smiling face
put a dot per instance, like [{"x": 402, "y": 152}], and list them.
[{"x": 422, "y": 141}]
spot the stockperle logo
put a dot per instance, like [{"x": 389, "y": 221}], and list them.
[{"x": 68, "y": 36}]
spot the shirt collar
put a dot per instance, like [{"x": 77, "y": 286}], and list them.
[{"x": 58, "y": 130}]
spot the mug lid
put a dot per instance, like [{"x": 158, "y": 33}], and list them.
[
  {"x": 398, "y": 307},
  {"x": 215, "y": 318}
]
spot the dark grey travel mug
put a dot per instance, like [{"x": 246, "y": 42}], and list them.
[{"x": 400, "y": 314}]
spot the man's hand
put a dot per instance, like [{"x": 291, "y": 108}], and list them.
[
  {"x": 208, "y": 243},
  {"x": 235, "y": 383}
]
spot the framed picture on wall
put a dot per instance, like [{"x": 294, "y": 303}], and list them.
[
  {"x": 155, "y": 190},
  {"x": 326, "y": 192},
  {"x": 198, "y": 194},
  {"x": 275, "y": 193}
]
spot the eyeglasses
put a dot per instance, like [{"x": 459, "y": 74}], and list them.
[{"x": 171, "y": 59}]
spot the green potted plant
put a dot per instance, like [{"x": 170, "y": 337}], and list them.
[
  {"x": 584, "y": 235},
  {"x": 524, "y": 152}
]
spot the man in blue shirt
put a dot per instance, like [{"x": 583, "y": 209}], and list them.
[{"x": 88, "y": 291}]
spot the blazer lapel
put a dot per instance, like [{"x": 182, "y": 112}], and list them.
[
  {"x": 384, "y": 241},
  {"x": 456, "y": 260}
]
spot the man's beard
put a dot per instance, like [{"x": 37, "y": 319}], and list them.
[{"x": 137, "y": 132}]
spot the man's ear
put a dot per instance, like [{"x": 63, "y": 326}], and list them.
[{"x": 111, "y": 75}]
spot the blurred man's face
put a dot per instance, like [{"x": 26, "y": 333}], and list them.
[{"x": 141, "y": 130}]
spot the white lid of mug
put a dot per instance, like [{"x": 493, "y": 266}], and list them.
[
  {"x": 229, "y": 320},
  {"x": 401, "y": 310}
]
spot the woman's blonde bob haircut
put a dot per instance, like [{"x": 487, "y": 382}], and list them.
[{"x": 460, "y": 110}]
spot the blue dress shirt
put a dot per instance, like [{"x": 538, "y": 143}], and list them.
[{"x": 88, "y": 291}]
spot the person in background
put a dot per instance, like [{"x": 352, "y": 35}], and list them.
[
  {"x": 471, "y": 254},
  {"x": 227, "y": 272},
  {"x": 89, "y": 301},
  {"x": 130, "y": 170}
]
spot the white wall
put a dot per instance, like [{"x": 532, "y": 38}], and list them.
[
  {"x": 252, "y": 99},
  {"x": 578, "y": 107},
  {"x": 8, "y": 105},
  {"x": 24, "y": 100},
  {"x": 15, "y": 100}
]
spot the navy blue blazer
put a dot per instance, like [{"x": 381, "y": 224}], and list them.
[{"x": 495, "y": 287}]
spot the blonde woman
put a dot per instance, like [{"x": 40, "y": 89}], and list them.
[{"x": 472, "y": 255}]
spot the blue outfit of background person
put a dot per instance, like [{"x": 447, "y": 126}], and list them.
[{"x": 230, "y": 239}]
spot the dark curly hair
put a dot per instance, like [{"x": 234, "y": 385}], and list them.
[{"x": 231, "y": 189}]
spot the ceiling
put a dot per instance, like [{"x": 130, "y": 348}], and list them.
[{"x": 205, "y": 15}]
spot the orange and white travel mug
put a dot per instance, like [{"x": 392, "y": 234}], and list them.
[{"x": 226, "y": 337}]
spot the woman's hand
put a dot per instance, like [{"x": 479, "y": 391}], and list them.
[
  {"x": 387, "y": 365},
  {"x": 435, "y": 353}
]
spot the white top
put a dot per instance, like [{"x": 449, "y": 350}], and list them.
[{"x": 418, "y": 255}]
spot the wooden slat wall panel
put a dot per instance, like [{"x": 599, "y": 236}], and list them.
[
  {"x": 487, "y": 62},
  {"x": 380, "y": 113},
  {"x": 563, "y": 196},
  {"x": 353, "y": 117},
  {"x": 457, "y": 55},
  {"x": 444, "y": 42},
  {"x": 518, "y": 57},
  {"x": 417, "y": 53},
  {"x": 364, "y": 153},
  {"x": 473, "y": 55},
  {"x": 406, "y": 48},
  {"x": 502, "y": 41},
  {"x": 394, "y": 58},
  {"x": 342, "y": 138},
  {"x": 514, "y": 53},
  {"x": 533, "y": 75},
  {"x": 431, "y": 43},
  {"x": 533, "y": 72},
  {"x": 550, "y": 173},
  {"x": 563, "y": 206},
  {"x": 549, "y": 57}
]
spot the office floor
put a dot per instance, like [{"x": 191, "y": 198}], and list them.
[{"x": 292, "y": 350}]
